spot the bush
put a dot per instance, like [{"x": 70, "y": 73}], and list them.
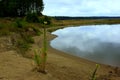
[
  {"x": 4, "y": 33},
  {"x": 32, "y": 17},
  {"x": 19, "y": 23},
  {"x": 24, "y": 43},
  {"x": 45, "y": 19},
  {"x": 37, "y": 31},
  {"x": 1, "y": 26},
  {"x": 29, "y": 39},
  {"x": 23, "y": 46}
]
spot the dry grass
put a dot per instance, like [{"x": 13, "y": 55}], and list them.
[
  {"x": 58, "y": 24},
  {"x": 85, "y": 22}
]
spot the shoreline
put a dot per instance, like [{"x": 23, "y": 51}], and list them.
[
  {"x": 61, "y": 53},
  {"x": 76, "y": 63},
  {"x": 53, "y": 36},
  {"x": 59, "y": 65}
]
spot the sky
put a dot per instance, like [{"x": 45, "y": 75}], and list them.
[
  {"x": 99, "y": 43},
  {"x": 81, "y": 7},
  {"x": 88, "y": 37}
]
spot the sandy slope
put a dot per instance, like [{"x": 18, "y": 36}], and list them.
[{"x": 60, "y": 66}]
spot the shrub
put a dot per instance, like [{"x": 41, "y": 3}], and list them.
[
  {"x": 1, "y": 26},
  {"x": 4, "y": 32},
  {"x": 40, "y": 60},
  {"x": 45, "y": 19},
  {"x": 23, "y": 46},
  {"x": 24, "y": 43},
  {"x": 29, "y": 39},
  {"x": 32, "y": 17},
  {"x": 37, "y": 58},
  {"x": 19, "y": 23},
  {"x": 37, "y": 31}
]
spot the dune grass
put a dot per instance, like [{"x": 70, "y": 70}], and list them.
[{"x": 93, "y": 74}]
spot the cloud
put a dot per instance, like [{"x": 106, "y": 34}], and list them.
[
  {"x": 89, "y": 36},
  {"x": 100, "y": 43},
  {"x": 82, "y": 7}
]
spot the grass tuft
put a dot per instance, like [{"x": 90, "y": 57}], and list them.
[{"x": 93, "y": 76}]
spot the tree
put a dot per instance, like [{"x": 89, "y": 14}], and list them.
[{"x": 20, "y": 7}]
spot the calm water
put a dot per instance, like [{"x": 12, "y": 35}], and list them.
[{"x": 99, "y": 43}]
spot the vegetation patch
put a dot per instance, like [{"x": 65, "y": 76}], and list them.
[
  {"x": 22, "y": 46},
  {"x": 32, "y": 17}
]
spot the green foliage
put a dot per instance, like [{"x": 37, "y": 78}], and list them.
[
  {"x": 37, "y": 58},
  {"x": 38, "y": 32},
  {"x": 1, "y": 26},
  {"x": 45, "y": 19},
  {"x": 4, "y": 33},
  {"x": 29, "y": 39},
  {"x": 93, "y": 76},
  {"x": 41, "y": 60},
  {"x": 19, "y": 23},
  {"x": 4, "y": 29},
  {"x": 24, "y": 43},
  {"x": 23, "y": 46},
  {"x": 45, "y": 42},
  {"x": 32, "y": 17},
  {"x": 20, "y": 7}
]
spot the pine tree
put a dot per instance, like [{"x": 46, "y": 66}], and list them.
[{"x": 20, "y": 7}]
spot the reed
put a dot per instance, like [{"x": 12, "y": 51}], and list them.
[{"x": 93, "y": 76}]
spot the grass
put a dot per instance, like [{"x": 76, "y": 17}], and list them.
[
  {"x": 19, "y": 27},
  {"x": 84, "y": 22},
  {"x": 59, "y": 24},
  {"x": 37, "y": 30},
  {"x": 93, "y": 75},
  {"x": 37, "y": 58},
  {"x": 22, "y": 46}
]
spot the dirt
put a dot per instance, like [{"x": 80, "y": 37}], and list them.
[{"x": 59, "y": 66}]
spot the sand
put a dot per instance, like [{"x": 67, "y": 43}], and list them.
[{"x": 59, "y": 66}]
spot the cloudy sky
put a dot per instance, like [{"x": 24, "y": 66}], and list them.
[
  {"x": 100, "y": 43},
  {"x": 82, "y": 7}
]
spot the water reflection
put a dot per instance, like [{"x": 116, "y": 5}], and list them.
[{"x": 100, "y": 43}]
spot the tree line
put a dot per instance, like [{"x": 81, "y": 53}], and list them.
[
  {"x": 20, "y": 7},
  {"x": 83, "y": 18}
]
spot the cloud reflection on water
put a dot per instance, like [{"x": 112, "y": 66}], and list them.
[{"x": 100, "y": 43}]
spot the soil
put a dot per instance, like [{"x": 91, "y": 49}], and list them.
[{"x": 59, "y": 65}]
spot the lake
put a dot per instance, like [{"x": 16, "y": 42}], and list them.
[{"x": 98, "y": 43}]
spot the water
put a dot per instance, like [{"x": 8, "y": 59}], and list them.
[{"x": 99, "y": 43}]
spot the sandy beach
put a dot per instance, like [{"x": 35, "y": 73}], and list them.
[{"x": 59, "y": 66}]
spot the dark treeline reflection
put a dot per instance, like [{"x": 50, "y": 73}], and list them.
[{"x": 94, "y": 43}]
